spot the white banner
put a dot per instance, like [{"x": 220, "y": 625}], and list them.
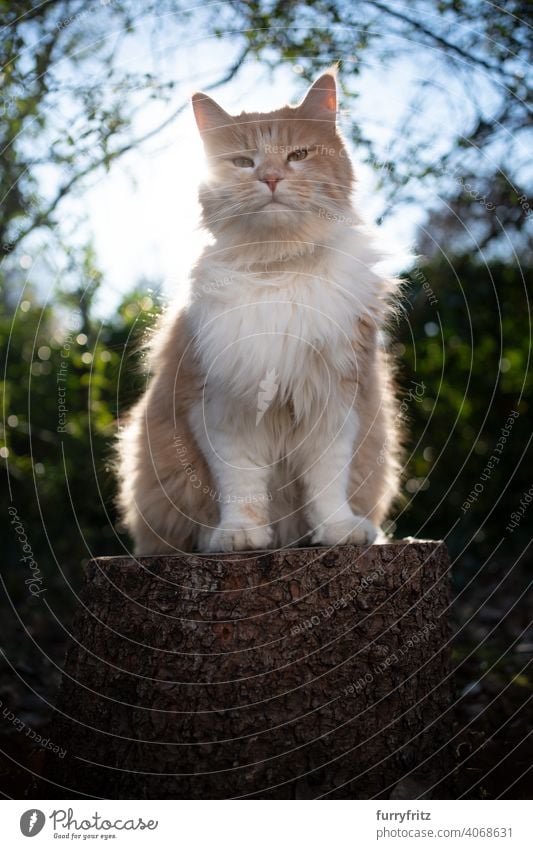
[{"x": 262, "y": 824}]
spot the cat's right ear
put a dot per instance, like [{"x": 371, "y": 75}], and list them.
[{"x": 209, "y": 115}]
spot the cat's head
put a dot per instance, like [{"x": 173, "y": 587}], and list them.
[{"x": 282, "y": 176}]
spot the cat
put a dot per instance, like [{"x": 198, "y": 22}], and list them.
[{"x": 269, "y": 417}]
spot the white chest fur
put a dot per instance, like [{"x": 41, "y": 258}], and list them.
[{"x": 295, "y": 325}]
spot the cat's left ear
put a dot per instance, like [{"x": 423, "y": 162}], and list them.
[{"x": 321, "y": 99}]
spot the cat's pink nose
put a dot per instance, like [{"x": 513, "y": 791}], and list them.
[{"x": 271, "y": 180}]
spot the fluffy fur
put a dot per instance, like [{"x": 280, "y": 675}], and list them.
[{"x": 269, "y": 416}]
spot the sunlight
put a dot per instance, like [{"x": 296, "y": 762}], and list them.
[{"x": 146, "y": 226}]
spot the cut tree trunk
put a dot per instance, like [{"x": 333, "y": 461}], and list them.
[{"x": 299, "y": 673}]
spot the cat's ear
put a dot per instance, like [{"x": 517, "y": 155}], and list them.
[
  {"x": 209, "y": 115},
  {"x": 321, "y": 98}
]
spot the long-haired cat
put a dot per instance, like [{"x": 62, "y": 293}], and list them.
[{"x": 269, "y": 414}]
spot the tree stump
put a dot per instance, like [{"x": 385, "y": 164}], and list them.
[{"x": 299, "y": 673}]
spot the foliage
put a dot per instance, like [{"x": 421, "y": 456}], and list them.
[
  {"x": 467, "y": 341},
  {"x": 65, "y": 374}
]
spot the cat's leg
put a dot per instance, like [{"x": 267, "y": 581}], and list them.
[
  {"x": 241, "y": 473},
  {"x": 326, "y": 468},
  {"x": 243, "y": 497}
]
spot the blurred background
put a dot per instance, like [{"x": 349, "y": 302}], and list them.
[{"x": 99, "y": 165}]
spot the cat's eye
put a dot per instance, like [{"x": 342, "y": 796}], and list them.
[
  {"x": 243, "y": 162},
  {"x": 297, "y": 155}
]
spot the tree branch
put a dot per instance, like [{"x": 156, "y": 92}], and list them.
[
  {"x": 438, "y": 39},
  {"x": 41, "y": 219}
]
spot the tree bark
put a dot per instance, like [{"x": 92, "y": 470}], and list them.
[{"x": 299, "y": 673}]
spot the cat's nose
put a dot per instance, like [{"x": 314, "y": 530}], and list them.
[{"x": 272, "y": 179}]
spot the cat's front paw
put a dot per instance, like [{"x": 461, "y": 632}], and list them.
[
  {"x": 240, "y": 539},
  {"x": 354, "y": 531}
]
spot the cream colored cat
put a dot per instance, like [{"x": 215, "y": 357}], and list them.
[{"x": 268, "y": 419}]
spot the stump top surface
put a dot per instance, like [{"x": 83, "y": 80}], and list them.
[
  {"x": 314, "y": 552},
  {"x": 252, "y": 569}
]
